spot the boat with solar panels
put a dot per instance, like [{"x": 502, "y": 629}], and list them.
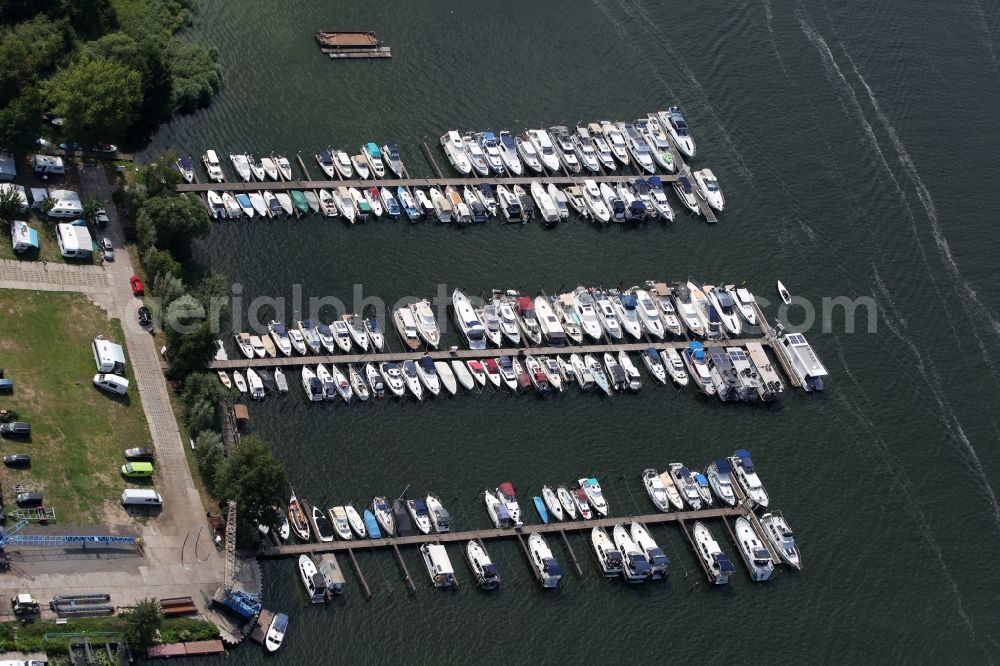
[{"x": 800, "y": 356}]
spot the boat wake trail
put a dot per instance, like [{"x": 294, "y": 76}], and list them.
[
  {"x": 768, "y": 17},
  {"x": 633, "y": 46},
  {"x": 987, "y": 34}
]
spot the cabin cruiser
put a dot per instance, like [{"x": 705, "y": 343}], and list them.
[
  {"x": 425, "y": 322},
  {"x": 424, "y": 204},
  {"x": 565, "y": 309},
  {"x": 697, "y": 364},
  {"x": 632, "y": 375},
  {"x": 280, "y": 336},
  {"x": 609, "y": 558},
  {"x": 361, "y": 205},
  {"x": 549, "y": 571},
  {"x": 616, "y": 141},
  {"x": 703, "y": 488},
  {"x": 552, "y": 504},
  {"x": 311, "y": 384},
  {"x": 659, "y": 198},
  {"x": 345, "y": 202},
  {"x": 719, "y": 479},
  {"x": 773, "y": 387},
  {"x": 490, "y": 146},
  {"x": 510, "y": 205},
  {"x": 601, "y": 146},
  {"x": 276, "y": 630},
  {"x": 482, "y": 566},
  {"x": 373, "y": 333},
  {"x": 491, "y": 324},
  {"x": 654, "y": 364},
  {"x": 497, "y": 511},
  {"x": 462, "y": 215},
  {"x": 454, "y": 148},
  {"x": 524, "y": 308},
  {"x": 428, "y": 375},
  {"x": 255, "y": 386},
  {"x": 559, "y": 199},
  {"x": 373, "y": 156},
  {"x": 438, "y": 565},
  {"x": 344, "y": 389},
  {"x": 726, "y": 308},
  {"x": 217, "y": 208},
  {"x": 718, "y": 566},
  {"x": 595, "y": 495},
  {"x": 586, "y": 311},
  {"x": 625, "y": 306},
  {"x": 374, "y": 200},
  {"x": 407, "y": 203},
  {"x": 614, "y": 203},
  {"x": 675, "y": 367},
  {"x": 584, "y": 377},
  {"x": 673, "y": 121},
  {"x": 744, "y": 302},
  {"x": 528, "y": 153},
  {"x": 383, "y": 514},
  {"x": 537, "y": 375},
  {"x": 600, "y": 378},
  {"x": 476, "y": 155},
  {"x": 390, "y": 153},
  {"x": 546, "y": 152},
  {"x": 782, "y": 539},
  {"x": 548, "y": 322},
  {"x": 686, "y": 485},
  {"x": 648, "y": 313},
  {"x": 595, "y": 201},
  {"x": 606, "y": 314},
  {"x": 233, "y": 208},
  {"x": 242, "y": 165},
  {"x": 635, "y": 209},
  {"x": 688, "y": 309},
  {"x": 656, "y": 138},
  {"x": 342, "y": 163},
  {"x": 756, "y": 556},
  {"x": 658, "y": 561},
  {"x": 341, "y": 524},
  {"x": 636, "y": 567},
  {"x": 393, "y": 376},
  {"x": 527, "y": 203},
  {"x": 546, "y": 206},
  {"x": 708, "y": 188},
  {"x": 341, "y": 334},
  {"x": 638, "y": 147},
  {"x": 327, "y": 203},
  {"x": 313, "y": 581},
  {"x": 211, "y": 161},
  {"x": 439, "y": 516},
  {"x": 616, "y": 373},
  {"x": 551, "y": 368},
  {"x": 326, "y": 381},
  {"x": 802, "y": 359},
  {"x": 467, "y": 321},
  {"x": 656, "y": 490},
  {"x": 728, "y": 386},
  {"x": 682, "y": 186},
  {"x": 487, "y": 197},
  {"x": 508, "y": 153},
  {"x": 583, "y": 144},
  {"x": 418, "y": 512},
  {"x": 565, "y": 150},
  {"x": 297, "y": 340},
  {"x": 476, "y": 207},
  {"x": 325, "y": 162},
  {"x": 508, "y": 319},
  {"x": 322, "y": 525},
  {"x": 375, "y": 381},
  {"x": 443, "y": 207},
  {"x": 505, "y": 493},
  {"x": 412, "y": 379},
  {"x": 751, "y": 384},
  {"x": 358, "y": 383},
  {"x": 360, "y": 164},
  {"x": 576, "y": 200},
  {"x": 745, "y": 473},
  {"x": 392, "y": 208},
  {"x": 186, "y": 169}
]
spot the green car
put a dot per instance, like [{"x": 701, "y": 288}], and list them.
[{"x": 137, "y": 470}]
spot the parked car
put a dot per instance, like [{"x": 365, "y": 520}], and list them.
[
  {"x": 17, "y": 460},
  {"x": 107, "y": 249},
  {"x": 139, "y": 453},
  {"x": 137, "y": 470},
  {"x": 111, "y": 384},
  {"x": 102, "y": 218},
  {"x": 6, "y": 386},
  {"x": 28, "y": 499},
  {"x": 136, "y": 283},
  {"x": 15, "y": 429},
  {"x": 145, "y": 316}
]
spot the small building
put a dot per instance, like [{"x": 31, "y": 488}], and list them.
[
  {"x": 48, "y": 164},
  {"x": 108, "y": 356},
  {"x": 23, "y": 237},
  {"x": 38, "y": 197},
  {"x": 8, "y": 167},
  {"x": 74, "y": 242},
  {"x": 19, "y": 189},
  {"x": 66, "y": 203}
]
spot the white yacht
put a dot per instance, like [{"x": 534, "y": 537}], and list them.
[
  {"x": 417, "y": 509},
  {"x": 482, "y": 566},
  {"x": 697, "y": 364},
  {"x": 686, "y": 485},
  {"x": 508, "y": 153},
  {"x": 708, "y": 188},
  {"x": 476, "y": 155},
  {"x": 438, "y": 565},
  {"x": 392, "y": 374},
  {"x": 720, "y": 480},
  {"x": 649, "y": 314},
  {"x": 756, "y": 556},
  {"x": 279, "y": 334},
  {"x": 211, "y": 161},
  {"x": 542, "y": 142},
  {"x": 656, "y": 490},
  {"x": 565, "y": 150},
  {"x": 548, "y": 322},
  {"x": 595, "y": 496},
  {"x": 632, "y": 375},
  {"x": 583, "y": 144},
  {"x": 427, "y": 373},
  {"x": 782, "y": 539},
  {"x": 454, "y": 148},
  {"x": 673, "y": 121},
  {"x": 607, "y": 316},
  {"x": 658, "y": 561},
  {"x": 595, "y": 202},
  {"x": 426, "y": 323},
  {"x": 802, "y": 359},
  {"x": 687, "y": 309},
  {"x": 255, "y": 387},
  {"x": 276, "y": 632},
  {"x": 659, "y": 198},
  {"x": 616, "y": 141},
  {"x": 586, "y": 312},
  {"x": 490, "y": 145},
  {"x": 468, "y": 323},
  {"x": 510, "y": 206},
  {"x": 547, "y": 567},
  {"x": 745, "y": 472},
  {"x": 675, "y": 367},
  {"x": 601, "y": 146},
  {"x": 638, "y": 147},
  {"x": 625, "y": 307},
  {"x": 659, "y": 144},
  {"x": 682, "y": 186},
  {"x": 298, "y": 341},
  {"x": 546, "y": 206},
  {"x": 552, "y": 503},
  {"x": 636, "y": 567},
  {"x": 654, "y": 364},
  {"x": 528, "y": 154},
  {"x": 726, "y": 308},
  {"x": 313, "y": 581},
  {"x": 718, "y": 565},
  {"x": 744, "y": 302},
  {"x": 609, "y": 558}
]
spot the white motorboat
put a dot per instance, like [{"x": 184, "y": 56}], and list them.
[
  {"x": 477, "y": 371},
  {"x": 286, "y": 202},
  {"x": 375, "y": 381},
  {"x": 440, "y": 518},
  {"x": 584, "y": 377},
  {"x": 673, "y": 494},
  {"x": 597, "y": 372},
  {"x": 638, "y": 147},
  {"x": 632, "y": 376},
  {"x": 755, "y": 554},
  {"x": 697, "y": 364},
  {"x": 550, "y": 367},
  {"x": 565, "y": 150},
  {"x": 408, "y": 204},
  {"x": 656, "y": 490},
  {"x": 279, "y": 334},
  {"x": 616, "y": 141},
  {"x": 279, "y": 381},
  {"x": 524, "y": 308},
  {"x": 297, "y": 340},
  {"x": 718, "y": 565},
  {"x": 426, "y": 323},
  {"x": 496, "y": 510},
  {"x": 527, "y": 203},
  {"x": 357, "y": 330},
  {"x": 212, "y": 165},
  {"x": 548, "y": 322},
  {"x": 482, "y": 566},
  {"x": 443, "y": 208},
  {"x": 239, "y": 381},
  {"x": 492, "y": 371},
  {"x": 503, "y": 369},
  {"x": 565, "y": 308},
  {"x": 675, "y": 367},
  {"x": 744, "y": 302},
  {"x": 583, "y": 144},
  {"x": 270, "y": 168},
  {"x": 329, "y": 388},
  {"x": 654, "y": 364},
  {"x": 506, "y": 495},
  {"x": 777, "y": 531},
  {"x": 595, "y": 496},
  {"x": 726, "y": 307},
  {"x": 490, "y": 146},
  {"x": 636, "y": 567},
  {"x": 216, "y": 206},
  {"x": 602, "y": 146},
  {"x": 392, "y": 373},
  {"x": 374, "y": 200},
  {"x": 428, "y": 375},
  {"x": 673, "y": 121},
  {"x": 424, "y": 203},
  {"x": 344, "y": 388},
  {"x": 528, "y": 153},
  {"x": 566, "y": 502},
  {"x": 625, "y": 307},
  {"x": 542, "y": 142},
  {"x": 614, "y": 203},
  {"x": 702, "y": 486},
  {"x": 341, "y": 334},
  {"x": 342, "y": 163},
  {"x": 390, "y": 153},
  {"x": 582, "y": 504},
  {"x": 374, "y": 333},
  {"x": 326, "y": 338},
  {"x": 586, "y": 312},
  {"x": 274, "y": 208},
  {"x": 324, "y": 530},
  {"x": 606, "y": 314},
  {"x": 276, "y": 631},
  {"x": 658, "y": 561},
  {"x": 476, "y": 207},
  {"x": 548, "y": 568},
  {"x": 341, "y": 525},
  {"x": 417, "y": 509},
  {"x": 559, "y": 199},
  {"x": 487, "y": 196},
  {"x": 491, "y": 324},
  {"x": 345, "y": 203},
  {"x": 686, "y": 485},
  {"x": 327, "y": 204},
  {"x": 406, "y": 326},
  {"x": 539, "y": 380},
  {"x": 682, "y": 186},
  {"x": 242, "y": 165},
  {"x": 283, "y": 165},
  {"x": 446, "y": 376},
  {"x": 233, "y": 208},
  {"x": 255, "y": 386},
  {"x": 508, "y": 319},
  {"x": 508, "y": 153},
  {"x": 745, "y": 473},
  {"x": 708, "y": 189},
  {"x": 476, "y": 155},
  {"x": 720, "y": 480},
  {"x": 786, "y": 297},
  {"x": 313, "y": 581},
  {"x": 356, "y": 522},
  {"x": 661, "y": 296},
  {"x": 687, "y": 309},
  {"x": 656, "y": 139},
  {"x": 552, "y": 504},
  {"x": 547, "y": 208},
  {"x": 649, "y": 314},
  {"x": 325, "y": 162},
  {"x": 383, "y": 515},
  {"x": 373, "y": 157},
  {"x": 243, "y": 343},
  {"x": 609, "y": 558},
  {"x": 392, "y": 208},
  {"x": 659, "y": 198},
  {"x": 438, "y": 565},
  {"x": 467, "y": 321},
  {"x": 186, "y": 168},
  {"x": 510, "y": 205},
  {"x": 358, "y": 383}
]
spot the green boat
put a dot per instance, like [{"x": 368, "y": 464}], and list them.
[{"x": 300, "y": 202}]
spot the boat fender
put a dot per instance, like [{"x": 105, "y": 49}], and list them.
[{"x": 439, "y": 578}]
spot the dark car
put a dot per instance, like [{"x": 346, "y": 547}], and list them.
[
  {"x": 28, "y": 499},
  {"x": 145, "y": 317},
  {"x": 139, "y": 453},
  {"x": 17, "y": 460},
  {"x": 15, "y": 429}
]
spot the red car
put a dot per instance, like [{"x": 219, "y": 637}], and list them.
[{"x": 136, "y": 284}]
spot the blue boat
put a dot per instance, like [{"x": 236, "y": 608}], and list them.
[
  {"x": 372, "y": 525},
  {"x": 543, "y": 512},
  {"x": 373, "y": 151}
]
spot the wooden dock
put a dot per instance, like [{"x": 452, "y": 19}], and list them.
[{"x": 465, "y": 354}]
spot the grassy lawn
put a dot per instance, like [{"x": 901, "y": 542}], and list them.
[
  {"x": 48, "y": 249},
  {"x": 78, "y": 432},
  {"x": 30, "y": 637}
]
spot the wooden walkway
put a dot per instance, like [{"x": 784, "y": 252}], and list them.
[
  {"x": 550, "y": 528},
  {"x": 465, "y": 354}
]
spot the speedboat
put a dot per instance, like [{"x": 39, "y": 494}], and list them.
[
  {"x": 373, "y": 156},
  {"x": 274, "y": 208},
  {"x": 616, "y": 141},
  {"x": 357, "y": 330},
  {"x": 428, "y": 375},
  {"x": 708, "y": 189},
  {"x": 446, "y": 377},
  {"x": 280, "y": 336},
  {"x": 280, "y": 381},
  {"x": 673, "y": 121},
  {"x": 322, "y": 525},
  {"x": 537, "y": 375},
  {"x": 675, "y": 367},
  {"x": 508, "y": 153},
  {"x": 686, "y": 485},
  {"x": 490, "y": 146},
  {"x": 636, "y": 567},
  {"x": 285, "y": 201},
  {"x": 242, "y": 165},
  {"x": 687, "y": 309},
  {"x": 276, "y": 631},
  {"x": 360, "y": 164},
  {"x": 583, "y": 145},
  {"x": 418, "y": 511},
  {"x": 726, "y": 308},
  {"x": 586, "y": 312},
  {"x": 632, "y": 377},
  {"x": 326, "y": 338},
  {"x": 375, "y": 381},
  {"x": 345, "y": 200},
  {"x": 313, "y": 581},
  {"x": 510, "y": 205},
  {"x": 484, "y": 192},
  {"x": 505, "y": 493},
  {"x": 717, "y": 564},
  {"x": 744, "y": 302},
  {"x": 491, "y": 323},
  {"x": 373, "y": 200},
  {"x": 524, "y": 308},
  {"x": 658, "y": 561},
  {"x": 541, "y": 509},
  {"x": 383, "y": 514},
  {"x": 186, "y": 169},
  {"x": 358, "y": 383},
  {"x": 550, "y": 367},
  {"x": 243, "y": 343},
  {"x": 524, "y": 382},
  {"x": 390, "y": 153},
  {"x": 371, "y": 525},
  {"x": 701, "y": 485},
  {"x": 654, "y": 364},
  {"x": 719, "y": 479},
  {"x": 440, "y": 518},
  {"x": 233, "y": 209},
  {"x": 504, "y": 371},
  {"x": 374, "y": 333},
  {"x": 393, "y": 376},
  {"x": 476, "y": 371},
  {"x": 565, "y": 149},
  {"x": 601, "y": 146},
  {"x": 594, "y": 495},
  {"x": 566, "y": 502},
  {"x": 482, "y": 566},
  {"x": 606, "y": 314},
  {"x": 497, "y": 511},
  {"x": 342, "y": 163},
  {"x": 341, "y": 525},
  {"x": 638, "y": 147},
  {"x": 656, "y": 139},
  {"x": 297, "y": 519},
  {"x": 582, "y": 504},
  {"x": 656, "y": 490},
  {"x": 682, "y": 186},
  {"x": 548, "y": 568},
  {"x": 476, "y": 155},
  {"x": 344, "y": 388},
  {"x": 325, "y": 162},
  {"x": 327, "y": 203},
  {"x": 542, "y": 142},
  {"x": 283, "y": 165},
  {"x": 426, "y": 323},
  {"x": 263, "y": 342},
  {"x": 782, "y": 539},
  {"x": 597, "y": 372},
  {"x": 745, "y": 473},
  {"x": 508, "y": 319},
  {"x": 555, "y": 509},
  {"x": 408, "y": 204},
  {"x": 608, "y": 557},
  {"x": 649, "y": 315},
  {"x": 406, "y": 326},
  {"x": 297, "y": 340},
  {"x": 270, "y": 168},
  {"x": 625, "y": 306},
  {"x": 392, "y": 208},
  {"x": 659, "y": 198},
  {"x": 211, "y": 161},
  {"x": 614, "y": 203},
  {"x": 786, "y": 297},
  {"x": 756, "y": 556},
  {"x": 341, "y": 334},
  {"x": 491, "y": 368},
  {"x": 528, "y": 153},
  {"x": 575, "y": 198}
]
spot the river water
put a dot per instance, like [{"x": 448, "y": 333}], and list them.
[{"x": 856, "y": 145}]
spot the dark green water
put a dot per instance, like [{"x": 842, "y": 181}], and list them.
[{"x": 856, "y": 146}]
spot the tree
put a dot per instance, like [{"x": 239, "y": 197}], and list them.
[
  {"x": 254, "y": 478},
  {"x": 209, "y": 452},
  {"x": 159, "y": 264},
  {"x": 171, "y": 222},
  {"x": 143, "y": 622},
  {"x": 189, "y": 352},
  {"x": 159, "y": 177},
  {"x": 91, "y": 207},
  {"x": 201, "y": 387},
  {"x": 11, "y": 204},
  {"x": 98, "y": 98},
  {"x": 195, "y": 75}
]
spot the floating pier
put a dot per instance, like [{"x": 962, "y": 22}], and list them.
[{"x": 344, "y": 45}]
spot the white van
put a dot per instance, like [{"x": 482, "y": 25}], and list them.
[
  {"x": 111, "y": 384},
  {"x": 141, "y": 497}
]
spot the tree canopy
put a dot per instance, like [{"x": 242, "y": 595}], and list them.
[
  {"x": 171, "y": 222},
  {"x": 98, "y": 98},
  {"x": 254, "y": 478},
  {"x": 143, "y": 622}
]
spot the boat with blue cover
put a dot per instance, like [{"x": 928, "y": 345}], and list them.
[
  {"x": 540, "y": 507},
  {"x": 373, "y": 156},
  {"x": 186, "y": 168},
  {"x": 371, "y": 524},
  {"x": 390, "y": 153}
]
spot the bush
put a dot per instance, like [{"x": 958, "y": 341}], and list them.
[
  {"x": 143, "y": 622},
  {"x": 209, "y": 452}
]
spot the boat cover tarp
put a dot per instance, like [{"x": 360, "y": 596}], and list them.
[
  {"x": 652, "y": 353},
  {"x": 373, "y": 151},
  {"x": 552, "y": 567},
  {"x": 722, "y": 465},
  {"x": 629, "y": 302},
  {"x": 427, "y": 363},
  {"x": 725, "y": 566}
]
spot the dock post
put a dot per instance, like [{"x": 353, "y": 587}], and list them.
[
  {"x": 302, "y": 164},
  {"x": 361, "y": 576},
  {"x": 527, "y": 553},
  {"x": 572, "y": 555},
  {"x": 430, "y": 159},
  {"x": 694, "y": 547},
  {"x": 406, "y": 572}
]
